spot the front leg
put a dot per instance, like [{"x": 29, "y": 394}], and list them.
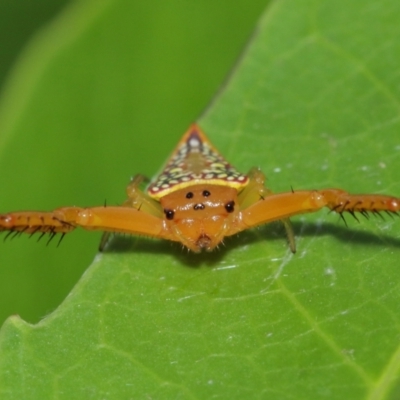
[
  {"x": 64, "y": 220},
  {"x": 58, "y": 221},
  {"x": 255, "y": 191},
  {"x": 284, "y": 205}
]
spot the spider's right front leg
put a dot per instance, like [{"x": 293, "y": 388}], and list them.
[
  {"x": 137, "y": 200},
  {"x": 57, "y": 221},
  {"x": 63, "y": 220}
]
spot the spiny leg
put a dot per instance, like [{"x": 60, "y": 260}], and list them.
[
  {"x": 256, "y": 191},
  {"x": 64, "y": 220},
  {"x": 284, "y": 205},
  {"x": 290, "y": 234},
  {"x": 136, "y": 199},
  {"x": 341, "y": 201},
  {"x": 140, "y": 200},
  {"x": 57, "y": 221}
]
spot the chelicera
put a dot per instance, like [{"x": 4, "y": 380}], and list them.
[{"x": 197, "y": 200}]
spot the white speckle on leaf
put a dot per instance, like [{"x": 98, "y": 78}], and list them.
[
  {"x": 329, "y": 271},
  {"x": 225, "y": 267},
  {"x": 303, "y": 254},
  {"x": 98, "y": 257},
  {"x": 349, "y": 353}
]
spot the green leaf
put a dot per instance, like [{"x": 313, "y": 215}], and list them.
[{"x": 314, "y": 103}]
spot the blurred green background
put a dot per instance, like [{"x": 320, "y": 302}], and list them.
[
  {"x": 57, "y": 147},
  {"x": 19, "y": 20}
]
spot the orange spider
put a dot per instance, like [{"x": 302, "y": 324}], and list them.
[{"x": 197, "y": 200}]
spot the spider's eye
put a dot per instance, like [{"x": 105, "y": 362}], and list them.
[
  {"x": 206, "y": 193},
  {"x": 230, "y": 206},
  {"x": 169, "y": 213},
  {"x": 189, "y": 195}
]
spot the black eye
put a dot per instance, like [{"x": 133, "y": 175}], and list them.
[
  {"x": 189, "y": 195},
  {"x": 169, "y": 213},
  {"x": 230, "y": 206},
  {"x": 206, "y": 193}
]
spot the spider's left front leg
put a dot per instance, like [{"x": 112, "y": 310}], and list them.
[
  {"x": 284, "y": 205},
  {"x": 256, "y": 191}
]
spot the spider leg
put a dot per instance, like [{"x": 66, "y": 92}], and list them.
[
  {"x": 290, "y": 234},
  {"x": 284, "y": 205},
  {"x": 64, "y": 220},
  {"x": 140, "y": 200},
  {"x": 30, "y": 222},
  {"x": 256, "y": 191},
  {"x": 341, "y": 201}
]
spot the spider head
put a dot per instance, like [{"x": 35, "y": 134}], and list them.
[{"x": 199, "y": 216}]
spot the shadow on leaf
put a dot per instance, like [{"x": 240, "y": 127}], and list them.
[{"x": 266, "y": 233}]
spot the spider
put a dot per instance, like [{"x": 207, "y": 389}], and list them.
[{"x": 197, "y": 200}]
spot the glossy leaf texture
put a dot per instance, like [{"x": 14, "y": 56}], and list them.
[{"x": 314, "y": 102}]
